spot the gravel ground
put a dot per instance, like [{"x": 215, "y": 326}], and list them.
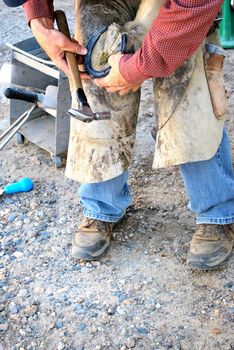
[{"x": 141, "y": 295}]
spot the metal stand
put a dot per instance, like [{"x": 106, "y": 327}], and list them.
[
  {"x": 47, "y": 129},
  {"x": 13, "y": 128}
]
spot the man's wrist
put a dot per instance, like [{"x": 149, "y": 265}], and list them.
[{"x": 39, "y": 24}]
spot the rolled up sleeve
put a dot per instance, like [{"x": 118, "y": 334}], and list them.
[
  {"x": 174, "y": 36},
  {"x": 38, "y": 8}
]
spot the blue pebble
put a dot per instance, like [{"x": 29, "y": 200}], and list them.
[
  {"x": 82, "y": 326},
  {"x": 11, "y": 218},
  {"x": 14, "y": 309},
  {"x": 50, "y": 295},
  {"x": 9, "y": 295},
  {"x": 2, "y": 319},
  {"x": 42, "y": 236},
  {"x": 8, "y": 201},
  {"x": 92, "y": 314},
  {"x": 64, "y": 297},
  {"x": 23, "y": 216},
  {"x": 12, "y": 257},
  {"x": 79, "y": 309},
  {"x": 59, "y": 324},
  {"x": 122, "y": 297},
  {"x": 231, "y": 310},
  {"x": 18, "y": 241},
  {"x": 76, "y": 267},
  {"x": 229, "y": 285},
  {"x": 142, "y": 330}
]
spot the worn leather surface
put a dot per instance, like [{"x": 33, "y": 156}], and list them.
[
  {"x": 187, "y": 129},
  {"x": 102, "y": 149}
]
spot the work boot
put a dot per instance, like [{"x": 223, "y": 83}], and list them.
[
  {"x": 92, "y": 239},
  {"x": 210, "y": 246}
]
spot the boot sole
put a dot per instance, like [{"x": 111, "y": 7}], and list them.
[
  {"x": 79, "y": 253},
  {"x": 203, "y": 267}
]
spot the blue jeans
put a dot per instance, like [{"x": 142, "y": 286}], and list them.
[{"x": 209, "y": 185}]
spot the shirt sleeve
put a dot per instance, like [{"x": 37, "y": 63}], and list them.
[
  {"x": 38, "y": 8},
  {"x": 174, "y": 36}
]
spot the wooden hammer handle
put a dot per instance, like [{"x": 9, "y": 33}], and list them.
[{"x": 74, "y": 76}]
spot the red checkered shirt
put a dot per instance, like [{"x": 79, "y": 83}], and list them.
[{"x": 174, "y": 36}]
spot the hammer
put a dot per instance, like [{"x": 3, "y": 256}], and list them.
[{"x": 84, "y": 112}]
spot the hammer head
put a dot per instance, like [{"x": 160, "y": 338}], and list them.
[{"x": 85, "y": 114}]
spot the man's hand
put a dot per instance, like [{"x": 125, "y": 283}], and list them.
[
  {"x": 55, "y": 43},
  {"x": 114, "y": 82}
]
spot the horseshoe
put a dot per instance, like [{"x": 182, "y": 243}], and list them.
[{"x": 91, "y": 43}]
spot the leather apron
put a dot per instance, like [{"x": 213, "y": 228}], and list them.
[{"x": 187, "y": 128}]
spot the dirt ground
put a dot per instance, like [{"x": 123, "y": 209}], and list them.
[{"x": 141, "y": 295}]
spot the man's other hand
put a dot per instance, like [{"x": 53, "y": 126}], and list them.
[{"x": 114, "y": 82}]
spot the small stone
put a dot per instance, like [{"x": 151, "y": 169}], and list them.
[
  {"x": 51, "y": 325},
  {"x": 3, "y": 327},
  {"x": 13, "y": 308},
  {"x": 24, "y": 320},
  {"x": 8, "y": 201},
  {"x": 31, "y": 310},
  {"x": 80, "y": 309},
  {"x": 231, "y": 310},
  {"x": 39, "y": 290},
  {"x": 82, "y": 326},
  {"x": 122, "y": 297},
  {"x": 216, "y": 312},
  {"x": 11, "y": 218},
  {"x": 131, "y": 343},
  {"x": 43, "y": 236},
  {"x": 76, "y": 267},
  {"x": 229, "y": 284},
  {"x": 2, "y": 275},
  {"x": 15, "y": 318},
  {"x": 22, "y": 332},
  {"x": 111, "y": 310},
  {"x": 88, "y": 264},
  {"x": 22, "y": 293},
  {"x": 60, "y": 346},
  {"x": 18, "y": 254},
  {"x": 142, "y": 330},
  {"x": 59, "y": 324},
  {"x": 93, "y": 330},
  {"x": 120, "y": 310},
  {"x": 216, "y": 331}
]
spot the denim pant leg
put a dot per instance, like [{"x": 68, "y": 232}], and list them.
[
  {"x": 107, "y": 200},
  {"x": 210, "y": 186}
]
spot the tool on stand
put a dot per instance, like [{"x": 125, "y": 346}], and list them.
[
  {"x": 24, "y": 185},
  {"x": 44, "y": 100},
  {"x": 47, "y": 100},
  {"x": 84, "y": 112}
]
